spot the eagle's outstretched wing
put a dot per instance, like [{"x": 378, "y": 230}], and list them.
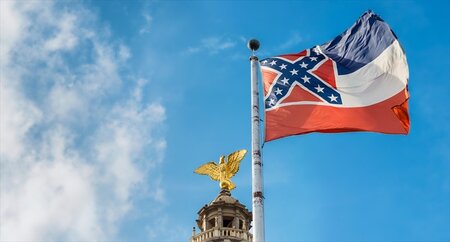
[
  {"x": 211, "y": 169},
  {"x": 234, "y": 159}
]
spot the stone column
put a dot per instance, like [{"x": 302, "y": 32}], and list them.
[
  {"x": 204, "y": 222},
  {"x": 220, "y": 218},
  {"x": 236, "y": 222}
]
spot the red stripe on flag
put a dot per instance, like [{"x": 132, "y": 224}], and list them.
[{"x": 300, "y": 119}]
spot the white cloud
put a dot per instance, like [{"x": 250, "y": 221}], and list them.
[
  {"x": 73, "y": 152},
  {"x": 193, "y": 50},
  {"x": 159, "y": 230},
  {"x": 65, "y": 102},
  {"x": 216, "y": 44},
  {"x": 124, "y": 53},
  {"x": 212, "y": 45},
  {"x": 137, "y": 92},
  {"x": 292, "y": 41},
  {"x": 147, "y": 23},
  {"x": 122, "y": 140},
  {"x": 10, "y": 29},
  {"x": 18, "y": 115},
  {"x": 64, "y": 39},
  {"x": 53, "y": 198}
]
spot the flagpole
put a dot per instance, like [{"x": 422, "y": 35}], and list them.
[{"x": 257, "y": 176}]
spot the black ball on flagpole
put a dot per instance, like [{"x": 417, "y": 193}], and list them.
[{"x": 253, "y": 44}]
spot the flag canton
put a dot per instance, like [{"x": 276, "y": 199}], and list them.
[{"x": 299, "y": 72}]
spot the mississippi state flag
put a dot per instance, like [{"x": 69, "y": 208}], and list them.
[{"x": 356, "y": 82}]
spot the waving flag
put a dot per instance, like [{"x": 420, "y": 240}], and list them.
[{"x": 355, "y": 82}]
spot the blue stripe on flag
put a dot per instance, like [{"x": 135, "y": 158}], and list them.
[{"x": 360, "y": 44}]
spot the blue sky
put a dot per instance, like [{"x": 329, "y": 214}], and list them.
[{"x": 107, "y": 107}]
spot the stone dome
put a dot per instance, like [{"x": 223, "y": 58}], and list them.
[
  {"x": 223, "y": 219},
  {"x": 224, "y": 197}
]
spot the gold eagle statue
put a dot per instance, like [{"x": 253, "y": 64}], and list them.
[{"x": 222, "y": 172}]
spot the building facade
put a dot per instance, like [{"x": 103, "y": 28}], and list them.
[{"x": 225, "y": 219}]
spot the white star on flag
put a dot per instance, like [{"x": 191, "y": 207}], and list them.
[
  {"x": 278, "y": 91},
  {"x": 319, "y": 88},
  {"x": 285, "y": 81},
  {"x": 283, "y": 66},
  {"x": 304, "y": 65},
  {"x": 333, "y": 98},
  {"x": 313, "y": 58},
  {"x": 273, "y": 62},
  {"x": 306, "y": 79},
  {"x": 294, "y": 72}
]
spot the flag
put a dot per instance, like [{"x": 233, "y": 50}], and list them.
[{"x": 356, "y": 82}]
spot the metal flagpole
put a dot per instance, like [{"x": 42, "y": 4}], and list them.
[{"x": 257, "y": 178}]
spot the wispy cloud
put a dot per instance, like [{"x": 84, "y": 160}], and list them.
[
  {"x": 72, "y": 150},
  {"x": 64, "y": 38},
  {"x": 163, "y": 229},
  {"x": 147, "y": 24},
  {"x": 212, "y": 45},
  {"x": 293, "y": 40}
]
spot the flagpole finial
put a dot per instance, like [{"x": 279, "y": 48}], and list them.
[{"x": 253, "y": 44}]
